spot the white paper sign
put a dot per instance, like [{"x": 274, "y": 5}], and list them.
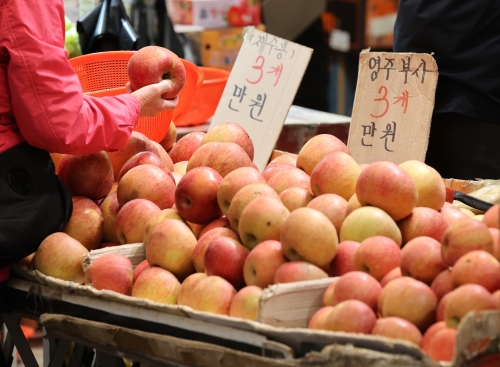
[{"x": 261, "y": 88}]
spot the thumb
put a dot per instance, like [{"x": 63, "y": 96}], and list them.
[{"x": 165, "y": 85}]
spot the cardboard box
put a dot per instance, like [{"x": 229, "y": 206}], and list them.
[{"x": 214, "y": 13}]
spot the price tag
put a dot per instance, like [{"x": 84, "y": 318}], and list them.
[
  {"x": 393, "y": 107},
  {"x": 261, "y": 87}
]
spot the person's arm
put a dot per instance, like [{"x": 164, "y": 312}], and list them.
[{"x": 47, "y": 100}]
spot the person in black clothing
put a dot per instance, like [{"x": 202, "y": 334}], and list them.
[{"x": 464, "y": 36}]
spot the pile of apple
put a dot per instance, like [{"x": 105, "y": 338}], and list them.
[{"x": 404, "y": 263}]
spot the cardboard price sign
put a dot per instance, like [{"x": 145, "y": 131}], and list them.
[
  {"x": 393, "y": 107},
  {"x": 261, "y": 88}
]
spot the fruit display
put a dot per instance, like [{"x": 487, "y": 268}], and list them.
[{"x": 405, "y": 264}]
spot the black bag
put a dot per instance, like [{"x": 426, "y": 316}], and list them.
[{"x": 34, "y": 202}]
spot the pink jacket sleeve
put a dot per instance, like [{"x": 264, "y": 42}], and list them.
[{"x": 51, "y": 111}]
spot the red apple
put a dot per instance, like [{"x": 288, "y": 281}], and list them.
[
  {"x": 152, "y": 64},
  {"x": 430, "y": 332},
  {"x": 442, "y": 345},
  {"x": 157, "y": 285},
  {"x": 143, "y": 158},
  {"x": 198, "y": 157},
  {"x": 109, "y": 208},
  {"x": 289, "y": 178},
  {"x": 86, "y": 223},
  {"x": 421, "y": 259},
  {"x": 317, "y": 321},
  {"x": 492, "y": 217},
  {"x": 164, "y": 156},
  {"x": 337, "y": 173},
  {"x": 272, "y": 170},
  {"x": 316, "y": 148},
  {"x": 297, "y": 271},
  {"x": 397, "y": 328},
  {"x": 196, "y": 195},
  {"x": 262, "y": 262},
  {"x": 168, "y": 213},
  {"x": 295, "y": 197},
  {"x": 464, "y": 236},
  {"x": 423, "y": 221},
  {"x": 111, "y": 271},
  {"x": 350, "y": 316},
  {"x": 451, "y": 213},
  {"x": 230, "y": 132},
  {"x": 495, "y": 233},
  {"x": 185, "y": 147},
  {"x": 283, "y": 158},
  {"x": 333, "y": 206},
  {"x": 357, "y": 285},
  {"x": 226, "y": 157},
  {"x": 204, "y": 240},
  {"x": 132, "y": 219},
  {"x": 387, "y": 186},
  {"x": 327, "y": 299},
  {"x": 143, "y": 265},
  {"x": 217, "y": 223},
  {"x": 225, "y": 257},
  {"x": 477, "y": 267},
  {"x": 377, "y": 255},
  {"x": 442, "y": 283},
  {"x": 409, "y": 299},
  {"x": 245, "y": 303},
  {"x": 187, "y": 288},
  {"x": 170, "y": 137},
  {"x": 343, "y": 261},
  {"x": 496, "y": 298},
  {"x": 89, "y": 175},
  {"x": 147, "y": 181}
]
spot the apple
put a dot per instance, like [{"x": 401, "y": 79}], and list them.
[
  {"x": 225, "y": 257},
  {"x": 351, "y": 316},
  {"x": 89, "y": 175},
  {"x": 187, "y": 287},
  {"x": 442, "y": 283},
  {"x": 180, "y": 168},
  {"x": 297, "y": 271},
  {"x": 198, "y": 157},
  {"x": 308, "y": 235},
  {"x": 147, "y": 181},
  {"x": 152, "y": 64},
  {"x": 496, "y": 298},
  {"x": 466, "y": 298},
  {"x": 164, "y": 156},
  {"x": 157, "y": 285},
  {"x": 112, "y": 271},
  {"x": 245, "y": 303},
  {"x": 377, "y": 255},
  {"x": 430, "y": 332},
  {"x": 387, "y": 186},
  {"x": 170, "y": 246},
  {"x": 138, "y": 142},
  {"x": 226, "y": 157},
  {"x": 295, "y": 197},
  {"x": 233, "y": 182},
  {"x": 210, "y": 294},
  {"x": 391, "y": 275},
  {"x": 343, "y": 261},
  {"x": 451, "y": 213},
  {"x": 441, "y": 306},
  {"x": 357, "y": 285},
  {"x": 495, "y": 233},
  {"x": 170, "y": 137},
  {"x": 164, "y": 214},
  {"x": 397, "y": 328},
  {"x": 421, "y": 259},
  {"x": 289, "y": 178},
  {"x": 430, "y": 185},
  {"x": 132, "y": 219},
  {"x": 261, "y": 220},
  {"x": 478, "y": 267},
  {"x": 283, "y": 158},
  {"x": 109, "y": 208},
  {"x": 230, "y": 132},
  {"x": 143, "y": 265},
  {"x": 316, "y": 148},
  {"x": 337, "y": 173},
  {"x": 317, "y": 321},
  {"x": 272, "y": 170},
  {"x": 60, "y": 256},
  {"x": 464, "y": 236},
  {"x": 262, "y": 262},
  {"x": 327, "y": 299},
  {"x": 423, "y": 221},
  {"x": 244, "y": 196},
  {"x": 333, "y": 206},
  {"x": 219, "y": 222},
  {"x": 492, "y": 217},
  {"x": 409, "y": 299},
  {"x": 86, "y": 223},
  {"x": 442, "y": 344},
  {"x": 143, "y": 158},
  {"x": 204, "y": 240},
  {"x": 353, "y": 204},
  {"x": 185, "y": 147},
  {"x": 196, "y": 195},
  {"x": 28, "y": 261},
  {"x": 369, "y": 221}
]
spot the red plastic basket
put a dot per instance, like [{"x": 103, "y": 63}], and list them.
[
  {"x": 105, "y": 74},
  {"x": 206, "y": 97}
]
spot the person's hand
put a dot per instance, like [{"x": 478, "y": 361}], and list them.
[{"x": 150, "y": 98}]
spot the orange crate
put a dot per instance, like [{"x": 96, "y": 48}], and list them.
[{"x": 105, "y": 74}]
